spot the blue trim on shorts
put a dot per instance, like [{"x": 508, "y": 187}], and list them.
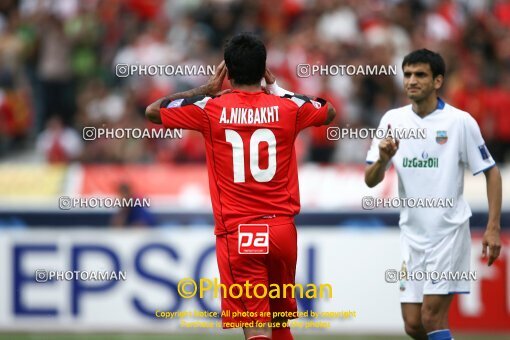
[{"x": 450, "y": 293}]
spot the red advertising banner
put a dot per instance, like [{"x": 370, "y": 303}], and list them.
[
  {"x": 487, "y": 307},
  {"x": 144, "y": 179}
]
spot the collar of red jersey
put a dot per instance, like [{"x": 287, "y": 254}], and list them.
[{"x": 246, "y": 92}]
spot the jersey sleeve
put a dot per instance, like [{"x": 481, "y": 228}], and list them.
[
  {"x": 185, "y": 113},
  {"x": 373, "y": 152},
  {"x": 475, "y": 154},
  {"x": 310, "y": 112}
]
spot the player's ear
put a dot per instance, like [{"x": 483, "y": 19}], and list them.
[{"x": 438, "y": 82}]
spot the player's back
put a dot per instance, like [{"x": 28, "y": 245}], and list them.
[{"x": 251, "y": 161}]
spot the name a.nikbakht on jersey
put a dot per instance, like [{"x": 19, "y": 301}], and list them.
[{"x": 242, "y": 115}]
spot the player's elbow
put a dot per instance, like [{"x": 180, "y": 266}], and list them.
[
  {"x": 153, "y": 114},
  {"x": 331, "y": 114},
  {"x": 369, "y": 182}
]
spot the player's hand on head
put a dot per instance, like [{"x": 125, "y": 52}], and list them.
[
  {"x": 272, "y": 87},
  {"x": 213, "y": 86},
  {"x": 270, "y": 80},
  {"x": 269, "y": 77},
  {"x": 492, "y": 241}
]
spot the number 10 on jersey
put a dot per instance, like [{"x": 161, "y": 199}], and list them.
[{"x": 259, "y": 136}]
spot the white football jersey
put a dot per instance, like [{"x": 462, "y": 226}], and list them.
[{"x": 433, "y": 167}]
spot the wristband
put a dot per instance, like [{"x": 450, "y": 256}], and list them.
[{"x": 277, "y": 90}]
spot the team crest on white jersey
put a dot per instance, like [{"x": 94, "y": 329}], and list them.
[{"x": 441, "y": 137}]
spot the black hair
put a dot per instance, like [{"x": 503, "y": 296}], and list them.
[
  {"x": 425, "y": 56},
  {"x": 245, "y": 58}
]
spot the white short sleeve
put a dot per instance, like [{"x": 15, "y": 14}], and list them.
[{"x": 475, "y": 154}]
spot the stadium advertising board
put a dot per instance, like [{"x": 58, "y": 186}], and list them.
[{"x": 129, "y": 280}]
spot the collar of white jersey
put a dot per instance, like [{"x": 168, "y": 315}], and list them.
[{"x": 440, "y": 106}]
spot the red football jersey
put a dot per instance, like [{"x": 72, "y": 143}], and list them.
[{"x": 249, "y": 139}]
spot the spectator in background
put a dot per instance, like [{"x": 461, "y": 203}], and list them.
[
  {"x": 135, "y": 216},
  {"x": 58, "y": 143},
  {"x": 50, "y": 49},
  {"x": 54, "y": 70},
  {"x": 322, "y": 149},
  {"x": 499, "y": 107},
  {"x": 14, "y": 101}
]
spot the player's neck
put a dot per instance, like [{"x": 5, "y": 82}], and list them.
[
  {"x": 247, "y": 88},
  {"x": 425, "y": 107}
]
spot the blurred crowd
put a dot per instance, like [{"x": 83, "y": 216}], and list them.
[{"x": 57, "y": 67}]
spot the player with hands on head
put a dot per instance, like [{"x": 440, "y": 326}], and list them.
[
  {"x": 211, "y": 88},
  {"x": 249, "y": 134}
]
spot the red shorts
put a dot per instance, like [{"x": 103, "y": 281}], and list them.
[{"x": 278, "y": 266}]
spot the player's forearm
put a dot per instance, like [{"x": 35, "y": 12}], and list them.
[
  {"x": 493, "y": 178},
  {"x": 275, "y": 89},
  {"x": 152, "y": 111},
  {"x": 374, "y": 173},
  {"x": 331, "y": 113}
]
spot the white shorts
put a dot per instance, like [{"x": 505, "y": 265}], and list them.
[{"x": 450, "y": 255}]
